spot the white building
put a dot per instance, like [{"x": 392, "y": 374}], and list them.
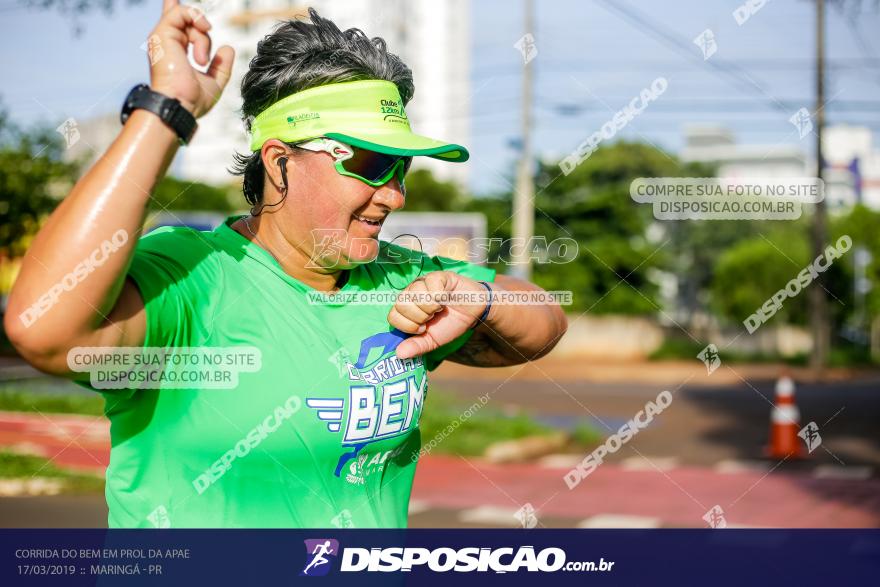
[
  {"x": 716, "y": 144},
  {"x": 432, "y": 38},
  {"x": 93, "y": 136},
  {"x": 852, "y": 162}
]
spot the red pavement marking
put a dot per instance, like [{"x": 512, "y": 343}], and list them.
[
  {"x": 678, "y": 497},
  {"x": 69, "y": 441},
  {"x": 57, "y": 425}
]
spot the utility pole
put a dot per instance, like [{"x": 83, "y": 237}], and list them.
[
  {"x": 819, "y": 320},
  {"x": 524, "y": 191}
]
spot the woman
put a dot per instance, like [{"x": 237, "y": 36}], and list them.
[{"x": 323, "y": 429}]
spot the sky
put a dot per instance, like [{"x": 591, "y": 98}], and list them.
[{"x": 593, "y": 57}]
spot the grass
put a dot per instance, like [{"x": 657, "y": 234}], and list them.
[
  {"x": 470, "y": 436},
  {"x": 18, "y": 466},
  {"x": 841, "y": 354},
  {"x": 485, "y": 425},
  {"x": 14, "y": 399},
  {"x": 586, "y": 437},
  {"x": 676, "y": 348},
  {"x": 686, "y": 349}
]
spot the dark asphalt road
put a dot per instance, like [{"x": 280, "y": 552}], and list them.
[{"x": 704, "y": 424}]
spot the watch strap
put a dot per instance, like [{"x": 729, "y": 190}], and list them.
[{"x": 170, "y": 110}]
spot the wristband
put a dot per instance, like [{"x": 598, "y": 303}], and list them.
[{"x": 485, "y": 313}]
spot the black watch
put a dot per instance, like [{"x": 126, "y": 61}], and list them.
[{"x": 170, "y": 110}]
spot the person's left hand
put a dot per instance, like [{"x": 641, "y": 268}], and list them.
[{"x": 431, "y": 317}]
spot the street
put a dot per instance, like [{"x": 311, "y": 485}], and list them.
[{"x": 705, "y": 450}]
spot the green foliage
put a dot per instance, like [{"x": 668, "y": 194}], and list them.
[
  {"x": 861, "y": 224},
  {"x": 425, "y": 193},
  {"x": 695, "y": 246},
  {"x": 176, "y": 194},
  {"x": 586, "y": 437},
  {"x": 32, "y": 178},
  {"x": 752, "y": 270},
  {"x": 755, "y": 268},
  {"x": 592, "y": 205},
  {"x": 497, "y": 210}
]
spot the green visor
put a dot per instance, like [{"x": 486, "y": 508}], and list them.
[{"x": 367, "y": 114}]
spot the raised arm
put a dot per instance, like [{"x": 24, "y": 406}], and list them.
[{"x": 72, "y": 289}]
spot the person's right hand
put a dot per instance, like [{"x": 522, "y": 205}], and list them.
[{"x": 171, "y": 72}]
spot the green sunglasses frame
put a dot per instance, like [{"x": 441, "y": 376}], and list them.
[{"x": 332, "y": 146}]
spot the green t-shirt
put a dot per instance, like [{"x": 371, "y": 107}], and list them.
[{"x": 325, "y": 433}]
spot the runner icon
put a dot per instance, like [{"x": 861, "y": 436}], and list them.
[{"x": 320, "y": 550}]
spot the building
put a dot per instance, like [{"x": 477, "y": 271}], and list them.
[
  {"x": 433, "y": 38},
  {"x": 716, "y": 144},
  {"x": 852, "y": 162},
  {"x": 852, "y": 166},
  {"x": 90, "y": 137}
]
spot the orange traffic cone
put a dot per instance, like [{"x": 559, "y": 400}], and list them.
[{"x": 784, "y": 424}]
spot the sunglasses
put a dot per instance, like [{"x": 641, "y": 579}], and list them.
[{"x": 370, "y": 167}]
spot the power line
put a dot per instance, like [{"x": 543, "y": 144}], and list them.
[
  {"x": 653, "y": 29},
  {"x": 843, "y": 64},
  {"x": 711, "y": 105},
  {"x": 861, "y": 42}
]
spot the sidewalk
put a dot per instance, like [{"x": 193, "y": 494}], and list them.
[
  {"x": 658, "y": 373},
  {"x": 456, "y": 492},
  {"x": 70, "y": 441},
  {"x": 584, "y": 369},
  {"x": 623, "y": 496}
]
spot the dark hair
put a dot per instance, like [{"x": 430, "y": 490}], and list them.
[{"x": 299, "y": 55}]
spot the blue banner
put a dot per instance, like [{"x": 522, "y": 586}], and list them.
[{"x": 438, "y": 557}]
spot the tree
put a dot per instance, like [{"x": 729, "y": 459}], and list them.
[
  {"x": 176, "y": 194},
  {"x": 32, "y": 179},
  {"x": 425, "y": 193},
  {"x": 860, "y": 224},
  {"x": 592, "y": 205},
  {"x": 695, "y": 247},
  {"x": 754, "y": 269}
]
